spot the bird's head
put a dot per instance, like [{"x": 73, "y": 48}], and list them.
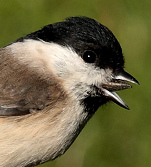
[{"x": 87, "y": 59}]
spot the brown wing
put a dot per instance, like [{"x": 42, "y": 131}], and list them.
[{"x": 22, "y": 88}]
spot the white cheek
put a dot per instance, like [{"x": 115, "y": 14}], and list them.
[{"x": 71, "y": 68}]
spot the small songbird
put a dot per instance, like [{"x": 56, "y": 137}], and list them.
[{"x": 51, "y": 83}]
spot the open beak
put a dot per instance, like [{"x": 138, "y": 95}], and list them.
[{"x": 119, "y": 82}]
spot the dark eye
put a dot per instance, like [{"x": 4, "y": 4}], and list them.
[{"x": 89, "y": 56}]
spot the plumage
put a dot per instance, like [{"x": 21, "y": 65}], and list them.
[{"x": 51, "y": 83}]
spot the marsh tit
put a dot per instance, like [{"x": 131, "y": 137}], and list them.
[{"x": 52, "y": 81}]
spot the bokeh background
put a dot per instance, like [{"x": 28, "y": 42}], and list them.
[{"x": 114, "y": 137}]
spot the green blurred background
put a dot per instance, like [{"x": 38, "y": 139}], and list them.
[{"x": 114, "y": 137}]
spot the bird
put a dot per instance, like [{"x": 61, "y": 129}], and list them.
[{"x": 52, "y": 81}]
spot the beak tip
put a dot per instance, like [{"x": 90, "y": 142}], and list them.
[
  {"x": 138, "y": 83},
  {"x": 135, "y": 81},
  {"x": 126, "y": 107}
]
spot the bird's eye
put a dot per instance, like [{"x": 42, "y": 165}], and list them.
[{"x": 89, "y": 56}]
